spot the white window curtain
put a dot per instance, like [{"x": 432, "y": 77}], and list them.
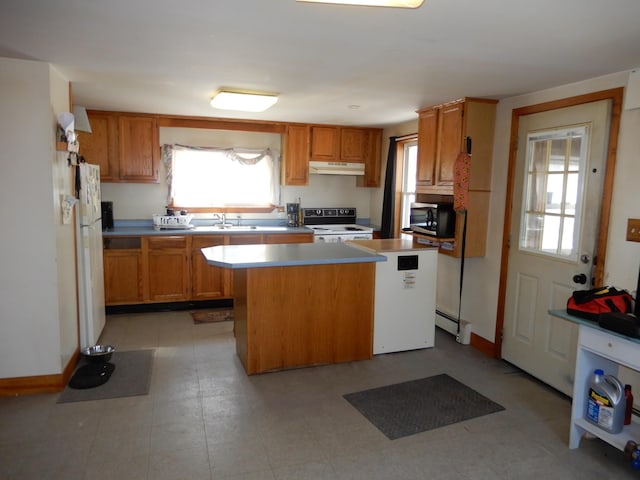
[{"x": 220, "y": 177}]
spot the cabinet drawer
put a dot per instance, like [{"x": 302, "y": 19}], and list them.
[
  {"x": 198, "y": 242},
  {"x": 122, "y": 243},
  {"x": 611, "y": 346},
  {"x": 167, "y": 242}
]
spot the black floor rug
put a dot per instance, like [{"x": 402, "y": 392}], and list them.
[
  {"x": 420, "y": 405},
  {"x": 131, "y": 377}
]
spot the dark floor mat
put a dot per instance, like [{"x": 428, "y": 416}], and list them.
[
  {"x": 416, "y": 406},
  {"x": 131, "y": 376}
]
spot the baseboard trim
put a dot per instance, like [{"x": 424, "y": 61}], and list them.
[
  {"x": 12, "y": 387},
  {"x": 483, "y": 345}
]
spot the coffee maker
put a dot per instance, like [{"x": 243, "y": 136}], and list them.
[
  {"x": 107, "y": 215},
  {"x": 293, "y": 218}
]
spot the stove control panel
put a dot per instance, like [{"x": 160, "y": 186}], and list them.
[{"x": 319, "y": 216}]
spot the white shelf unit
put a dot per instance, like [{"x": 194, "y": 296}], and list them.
[{"x": 606, "y": 350}]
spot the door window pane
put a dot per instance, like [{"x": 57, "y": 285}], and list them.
[{"x": 553, "y": 191}]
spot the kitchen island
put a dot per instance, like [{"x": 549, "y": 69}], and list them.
[{"x": 299, "y": 305}]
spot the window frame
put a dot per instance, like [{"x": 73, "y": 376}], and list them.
[{"x": 267, "y": 208}]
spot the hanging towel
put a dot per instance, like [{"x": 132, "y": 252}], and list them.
[{"x": 461, "y": 174}]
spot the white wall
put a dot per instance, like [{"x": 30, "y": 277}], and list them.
[
  {"x": 140, "y": 201},
  {"x": 31, "y": 333}
]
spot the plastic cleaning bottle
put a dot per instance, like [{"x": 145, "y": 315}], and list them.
[
  {"x": 605, "y": 402},
  {"x": 628, "y": 398}
]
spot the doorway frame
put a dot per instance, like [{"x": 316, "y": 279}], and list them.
[{"x": 616, "y": 96}]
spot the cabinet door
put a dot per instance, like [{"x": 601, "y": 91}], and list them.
[
  {"x": 207, "y": 281},
  {"x": 167, "y": 269},
  {"x": 139, "y": 149},
  {"x": 449, "y": 142},
  {"x": 123, "y": 277},
  {"x": 371, "y": 177},
  {"x": 288, "y": 238},
  {"x": 353, "y": 144},
  {"x": 325, "y": 143},
  {"x": 244, "y": 239},
  {"x": 427, "y": 146},
  {"x": 100, "y": 147},
  {"x": 295, "y": 162}
]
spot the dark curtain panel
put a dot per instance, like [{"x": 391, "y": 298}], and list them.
[{"x": 388, "y": 203}]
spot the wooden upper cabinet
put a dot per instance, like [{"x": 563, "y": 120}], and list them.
[
  {"x": 100, "y": 147},
  {"x": 427, "y": 134},
  {"x": 449, "y": 143},
  {"x": 295, "y": 158},
  {"x": 125, "y": 146},
  {"x": 353, "y": 144},
  {"x": 372, "y": 159},
  {"x": 349, "y": 144},
  {"x": 325, "y": 143},
  {"x": 340, "y": 144},
  {"x": 442, "y": 134},
  {"x": 139, "y": 149}
]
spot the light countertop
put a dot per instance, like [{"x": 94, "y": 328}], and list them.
[
  {"x": 203, "y": 230},
  {"x": 282, "y": 255},
  {"x": 389, "y": 245}
]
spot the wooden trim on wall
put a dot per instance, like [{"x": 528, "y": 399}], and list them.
[
  {"x": 482, "y": 344},
  {"x": 220, "y": 124},
  {"x": 10, "y": 387},
  {"x": 213, "y": 123},
  {"x": 616, "y": 96}
]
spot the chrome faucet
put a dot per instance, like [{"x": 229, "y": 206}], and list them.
[{"x": 223, "y": 218}]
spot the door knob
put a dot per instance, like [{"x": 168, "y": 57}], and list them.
[{"x": 580, "y": 278}]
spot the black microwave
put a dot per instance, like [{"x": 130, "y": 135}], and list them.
[{"x": 437, "y": 219}]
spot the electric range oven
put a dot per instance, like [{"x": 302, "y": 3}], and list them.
[{"x": 333, "y": 225}]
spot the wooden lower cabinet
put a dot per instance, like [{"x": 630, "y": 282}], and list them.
[
  {"x": 171, "y": 268},
  {"x": 289, "y": 238},
  {"x": 207, "y": 281},
  {"x": 167, "y": 269},
  {"x": 123, "y": 271}
]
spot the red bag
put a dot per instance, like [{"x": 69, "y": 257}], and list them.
[{"x": 590, "y": 304}]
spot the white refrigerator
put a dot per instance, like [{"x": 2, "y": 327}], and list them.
[{"x": 89, "y": 251}]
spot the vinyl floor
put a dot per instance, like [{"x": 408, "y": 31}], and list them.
[{"x": 204, "y": 418}]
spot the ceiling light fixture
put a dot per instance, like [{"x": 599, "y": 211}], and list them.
[
  {"x": 373, "y": 3},
  {"x": 243, "y": 101}
]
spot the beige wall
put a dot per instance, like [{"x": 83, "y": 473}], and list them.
[
  {"x": 482, "y": 275},
  {"x": 623, "y": 258},
  {"x": 38, "y": 330}
]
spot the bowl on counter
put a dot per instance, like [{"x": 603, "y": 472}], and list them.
[{"x": 98, "y": 353}]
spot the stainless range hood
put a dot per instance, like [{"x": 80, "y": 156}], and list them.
[{"x": 336, "y": 168}]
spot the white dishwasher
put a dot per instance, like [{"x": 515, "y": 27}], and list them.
[{"x": 405, "y": 295}]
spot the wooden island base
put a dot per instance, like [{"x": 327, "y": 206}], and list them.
[{"x": 294, "y": 316}]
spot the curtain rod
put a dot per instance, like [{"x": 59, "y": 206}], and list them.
[{"x": 407, "y": 137}]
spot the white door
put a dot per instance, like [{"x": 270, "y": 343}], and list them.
[{"x": 558, "y": 182}]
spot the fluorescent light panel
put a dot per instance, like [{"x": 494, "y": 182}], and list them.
[
  {"x": 373, "y": 3},
  {"x": 242, "y": 101}
]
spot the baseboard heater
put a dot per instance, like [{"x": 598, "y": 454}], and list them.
[{"x": 449, "y": 323}]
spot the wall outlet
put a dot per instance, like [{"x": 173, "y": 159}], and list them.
[{"x": 633, "y": 229}]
